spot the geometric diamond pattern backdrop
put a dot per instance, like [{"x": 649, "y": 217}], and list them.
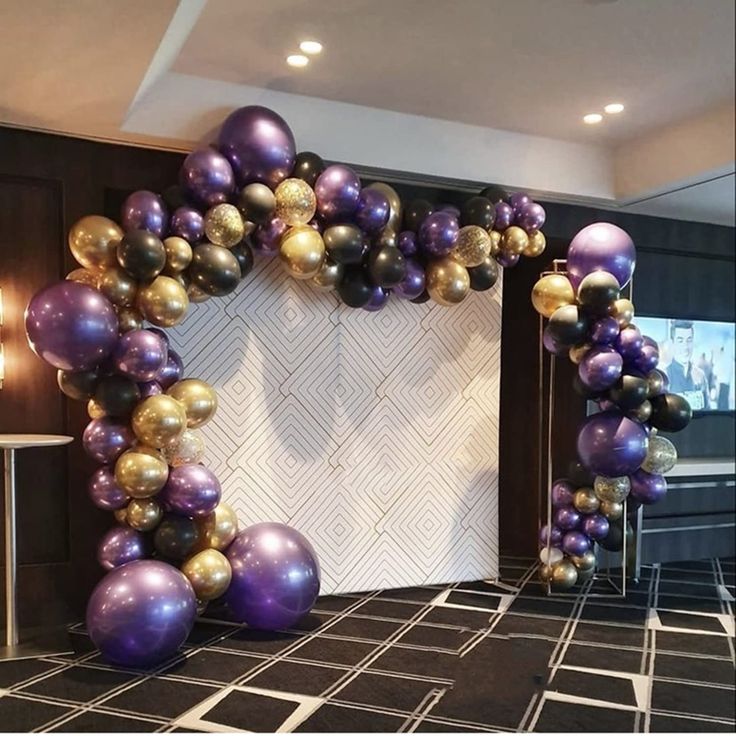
[{"x": 374, "y": 434}]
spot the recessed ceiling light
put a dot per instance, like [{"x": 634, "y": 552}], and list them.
[
  {"x": 592, "y": 118},
  {"x": 614, "y": 108},
  {"x": 311, "y": 47},
  {"x": 297, "y": 60}
]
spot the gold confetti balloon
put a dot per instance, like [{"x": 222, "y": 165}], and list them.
[
  {"x": 295, "y": 202},
  {"x": 84, "y": 276},
  {"x": 198, "y": 398},
  {"x": 219, "y": 528},
  {"x": 613, "y": 490},
  {"x": 187, "y": 449},
  {"x": 537, "y": 244},
  {"x": 143, "y": 514},
  {"x": 93, "y": 241},
  {"x": 473, "y": 246},
  {"x": 141, "y": 473},
  {"x": 178, "y": 255},
  {"x": 118, "y": 286},
  {"x": 302, "y": 252},
  {"x": 585, "y": 501},
  {"x": 209, "y": 573},
  {"x": 448, "y": 282},
  {"x": 661, "y": 456},
  {"x": 159, "y": 420},
  {"x": 223, "y": 225},
  {"x": 623, "y": 312},
  {"x": 514, "y": 240},
  {"x": 552, "y": 292},
  {"x": 329, "y": 275},
  {"x": 163, "y": 301}
]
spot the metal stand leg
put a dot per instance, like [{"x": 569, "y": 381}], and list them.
[{"x": 11, "y": 562}]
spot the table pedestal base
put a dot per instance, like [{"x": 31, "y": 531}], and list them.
[{"x": 46, "y": 642}]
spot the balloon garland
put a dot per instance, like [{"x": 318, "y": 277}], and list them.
[
  {"x": 176, "y": 546},
  {"x": 621, "y": 456}
]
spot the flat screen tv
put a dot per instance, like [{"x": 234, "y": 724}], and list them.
[{"x": 698, "y": 358}]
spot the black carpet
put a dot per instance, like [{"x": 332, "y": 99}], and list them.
[{"x": 470, "y": 657}]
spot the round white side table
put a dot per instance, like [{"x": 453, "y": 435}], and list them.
[{"x": 9, "y": 443}]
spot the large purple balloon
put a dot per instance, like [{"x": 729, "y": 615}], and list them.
[
  {"x": 600, "y": 368},
  {"x": 119, "y": 545},
  {"x": 187, "y": 223},
  {"x": 338, "y": 192},
  {"x": 412, "y": 285},
  {"x": 612, "y": 445},
  {"x": 258, "y": 144},
  {"x": 140, "y": 355},
  {"x": 504, "y": 216},
  {"x": 144, "y": 210},
  {"x": 275, "y": 576},
  {"x": 562, "y": 492},
  {"x": 601, "y": 247},
  {"x": 191, "y": 490},
  {"x": 172, "y": 371},
  {"x": 105, "y": 493},
  {"x": 207, "y": 177},
  {"x": 71, "y": 326},
  {"x": 373, "y": 210},
  {"x": 647, "y": 488},
  {"x": 105, "y": 439},
  {"x": 438, "y": 233},
  {"x": 141, "y": 613}
]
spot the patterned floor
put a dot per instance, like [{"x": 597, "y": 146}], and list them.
[{"x": 472, "y": 657}]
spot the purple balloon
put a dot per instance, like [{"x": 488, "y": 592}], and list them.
[
  {"x": 610, "y": 444},
  {"x": 191, "y": 490},
  {"x": 647, "y": 488},
  {"x": 408, "y": 243},
  {"x": 105, "y": 493},
  {"x": 451, "y": 209},
  {"x": 338, "y": 191},
  {"x": 413, "y": 283},
  {"x": 187, "y": 223},
  {"x": 267, "y": 238},
  {"x": 562, "y": 492},
  {"x": 567, "y": 518},
  {"x": 317, "y": 224},
  {"x": 506, "y": 259},
  {"x": 646, "y": 340},
  {"x": 150, "y": 388},
  {"x": 601, "y": 247},
  {"x": 575, "y": 544},
  {"x": 629, "y": 342},
  {"x": 373, "y": 210},
  {"x": 144, "y": 210},
  {"x": 140, "y": 355},
  {"x": 141, "y": 613},
  {"x": 554, "y": 533},
  {"x": 530, "y": 217},
  {"x": 596, "y": 526},
  {"x": 504, "y": 216},
  {"x": 552, "y": 346},
  {"x": 519, "y": 200},
  {"x": 647, "y": 360},
  {"x": 275, "y": 579},
  {"x": 378, "y": 299},
  {"x": 161, "y": 333},
  {"x": 172, "y": 371},
  {"x": 105, "y": 439},
  {"x": 207, "y": 177},
  {"x": 119, "y": 545},
  {"x": 604, "y": 331},
  {"x": 71, "y": 326},
  {"x": 600, "y": 368},
  {"x": 258, "y": 144},
  {"x": 438, "y": 233}
]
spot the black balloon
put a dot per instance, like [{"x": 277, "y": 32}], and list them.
[
  {"x": 356, "y": 288},
  {"x": 176, "y": 537},
  {"x": 422, "y": 298},
  {"x": 567, "y": 325},
  {"x": 670, "y": 412},
  {"x": 579, "y": 475},
  {"x": 478, "y": 211},
  {"x": 244, "y": 256},
  {"x": 345, "y": 243},
  {"x": 387, "y": 237},
  {"x": 214, "y": 269},
  {"x": 117, "y": 395},
  {"x": 141, "y": 254},
  {"x": 308, "y": 167},
  {"x": 629, "y": 392},
  {"x": 598, "y": 291},
  {"x": 483, "y": 277},
  {"x": 174, "y": 197},
  {"x": 582, "y": 390},
  {"x": 614, "y": 540},
  {"x": 415, "y": 212},
  {"x": 495, "y": 193},
  {"x": 80, "y": 386},
  {"x": 387, "y": 266},
  {"x": 257, "y": 203}
]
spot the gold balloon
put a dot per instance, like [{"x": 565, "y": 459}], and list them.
[
  {"x": 129, "y": 319},
  {"x": 141, "y": 474},
  {"x": 158, "y": 420},
  {"x": 545, "y": 573},
  {"x": 613, "y": 490},
  {"x": 188, "y": 449},
  {"x": 209, "y": 573},
  {"x": 495, "y": 237},
  {"x": 552, "y": 292},
  {"x": 295, "y": 202},
  {"x": 537, "y": 244},
  {"x": 611, "y": 510},
  {"x": 473, "y": 246},
  {"x": 144, "y": 514},
  {"x": 94, "y": 410},
  {"x": 163, "y": 301},
  {"x": 585, "y": 501},
  {"x": 564, "y": 575},
  {"x": 302, "y": 252},
  {"x": 585, "y": 561},
  {"x": 514, "y": 240},
  {"x": 329, "y": 275},
  {"x": 577, "y": 352},
  {"x": 394, "y": 203},
  {"x": 661, "y": 456},
  {"x": 93, "y": 241},
  {"x": 642, "y": 412},
  {"x": 217, "y": 530},
  {"x": 118, "y": 286},
  {"x": 198, "y": 398},
  {"x": 121, "y": 515},
  {"x": 178, "y": 255},
  {"x": 448, "y": 282},
  {"x": 223, "y": 225},
  {"x": 84, "y": 276},
  {"x": 196, "y": 295},
  {"x": 623, "y": 312}
]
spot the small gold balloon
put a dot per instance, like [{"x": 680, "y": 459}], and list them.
[
  {"x": 196, "y": 295},
  {"x": 613, "y": 490},
  {"x": 141, "y": 474},
  {"x": 217, "y": 530},
  {"x": 295, "y": 202},
  {"x": 144, "y": 514},
  {"x": 545, "y": 573},
  {"x": 584, "y": 562},
  {"x": 178, "y": 255},
  {"x": 495, "y": 237},
  {"x": 661, "y": 456},
  {"x": 93, "y": 241},
  {"x": 611, "y": 510},
  {"x": 84, "y": 276},
  {"x": 94, "y": 410},
  {"x": 158, "y": 420},
  {"x": 129, "y": 319},
  {"x": 121, "y": 515},
  {"x": 514, "y": 240},
  {"x": 198, "y": 398},
  {"x": 329, "y": 275},
  {"x": 473, "y": 246},
  {"x": 448, "y": 282},
  {"x": 552, "y": 292},
  {"x": 302, "y": 252},
  {"x": 623, "y": 312},
  {"x": 564, "y": 575},
  {"x": 585, "y": 501},
  {"x": 187, "y": 449},
  {"x": 163, "y": 301},
  {"x": 537, "y": 244},
  {"x": 223, "y": 225},
  {"x": 209, "y": 573},
  {"x": 118, "y": 286},
  {"x": 577, "y": 352}
]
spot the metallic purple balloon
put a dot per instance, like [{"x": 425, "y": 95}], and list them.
[
  {"x": 555, "y": 535},
  {"x": 207, "y": 177},
  {"x": 413, "y": 283},
  {"x": 530, "y": 217},
  {"x": 575, "y": 544},
  {"x": 506, "y": 259},
  {"x": 150, "y": 388},
  {"x": 438, "y": 233},
  {"x": 140, "y": 355},
  {"x": 378, "y": 299},
  {"x": 600, "y": 368},
  {"x": 187, "y": 223},
  {"x": 519, "y": 200},
  {"x": 161, "y": 333},
  {"x": 71, "y": 326},
  {"x": 276, "y": 576},
  {"x": 647, "y": 359},
  {"x": 338, "y": 191},
  {"x": 408, "y": 243},
  {"x": 373, "y": 210},
  {"x": 172, "y": 371},
  {"x": 119, "y": 545},
  {"x": 258, "y": 144},
  {"x": 267, "y": 238},
  {"x": 647, "y": 488},
  {"x": 144, "y": 210},
  {"x": 141, "y": 613},
  {"x": 629, "y": 342},
  {"x": 567, "y": 518},
  {"x": 191, "y": 490},
  {"x": 451, "y": 209},
  {"x": 596, "y": 526},
  {"x": 604, "y": 331},
  {"x": 105, "y": 439},
  {"x": 105, "y": 493},
  {"x": 552, "y": 346},
  {"x": 504, "y": 216},
  {"x": 646, "y": 340},
  {"x": 562, "y": 492},
  {"x": 610, "y": 444},
  {"x": 601, "y": 247}
]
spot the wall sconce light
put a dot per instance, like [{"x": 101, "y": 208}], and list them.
[{"x": 2, "y": 354}]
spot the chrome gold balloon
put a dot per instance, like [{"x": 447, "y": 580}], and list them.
[
  {"x": 564, "y": 575},
  {"x": 473, "y": 246},
  {"x": 94, "y": 410},
  {"x": 623, "y": 312},
  {"x": 611, "y": 510},
  {"x": 141, "y": 474},
  {"x": 495, "y": 242},
  {"x": 163, "y": 301},
  {"x": 223, "y": 225},
  {"x": 118, "y": 286},
  {"x": 661, "y": 456},
  {"x": 187, "y": 449},
  {"x": 93, "y": 241},
  {"x": 209, "y": 573},
  {"x": 585, "y": 561},
  {"x": 613, "y": 490},
  {"x": 159, "y": 420},
  {"x": 217, "y": 530},
  {"x": 448, "y": 282},
  {"x": 577, "y": 352},
  {"x": 545, "y": 573},
  {"x": 84, "y": 276},
  {"x": 295, "y": 202},
  {"x": 585, "y": 501},
  {"x": 198, "y": 398},
  {"x": 514, "y": 240},
  {"x": 178, "y": 255},
  {"x": 144, "y": 514},
  {"x": 121, "y": 515},
  {"x": 302, "y": 252},
  {"x": 129, "y": 319},
  {"x": 536, "y": 246},
  {"x": 196, "y": 295},
  {"x": 329, "y": 275},
  {"x": 552, "y": 292}
]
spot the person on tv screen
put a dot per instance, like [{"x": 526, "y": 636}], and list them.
[{"x": 686, "y": 377}]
